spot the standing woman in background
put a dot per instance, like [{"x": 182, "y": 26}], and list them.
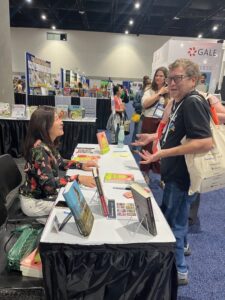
[{"x": 154, "y": 100}]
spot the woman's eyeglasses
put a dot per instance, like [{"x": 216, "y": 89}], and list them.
[{"x": 176, "y": 79}]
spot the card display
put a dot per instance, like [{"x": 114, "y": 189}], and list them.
[{"x": 121, "y": 210}]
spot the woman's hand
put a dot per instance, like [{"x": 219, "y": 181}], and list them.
[
  {"x": 87, "y": 181},
  {"x": 89, "y": 165},
  {"x": 163, "y": 90},
  {"x": 144, "y": 139}
]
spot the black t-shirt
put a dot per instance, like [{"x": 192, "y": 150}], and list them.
[{"x": 191, "y": 120}]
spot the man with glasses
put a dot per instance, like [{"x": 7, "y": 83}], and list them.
[{"x": 189, "y": 117}]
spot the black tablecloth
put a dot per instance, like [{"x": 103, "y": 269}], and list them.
[
  {"x": 13, "y": 132},
  {"x": 109, "y": 272},
  {"x": 103, "y": 109}
]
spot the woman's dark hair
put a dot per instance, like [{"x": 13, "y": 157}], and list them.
[
  {"x": 165, "y": 72},
  {"x": 80, "y": 85},
  {"x": 115, "y": 89},
  {"x": 40, "y": 123},
  {"x": 146, "y": 82}
]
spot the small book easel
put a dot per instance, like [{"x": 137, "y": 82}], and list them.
[{"x": 139, "y": 223}]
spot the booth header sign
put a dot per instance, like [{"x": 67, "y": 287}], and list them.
[
  {"x": 207, "y": 55},
  {"x": 194, "y": 51}
]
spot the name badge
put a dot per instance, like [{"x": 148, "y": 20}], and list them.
[{"x": 159, "y": 111}]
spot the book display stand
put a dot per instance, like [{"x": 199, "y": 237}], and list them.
[
  {"x": 138, "y": 225},
  {"x": 95, "y": 198},
  {"x": 96, "y": 201}
]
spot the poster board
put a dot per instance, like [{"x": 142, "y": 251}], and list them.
[{"x": 38, "y": 74}]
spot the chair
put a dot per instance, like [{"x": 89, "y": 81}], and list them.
[
  {"x": 10, "y": 180},
  {"x": 12, "y": 284}
]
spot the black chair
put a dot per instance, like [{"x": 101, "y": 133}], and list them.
[
  {"x": 12, "y": 284},
  {"x": 10, "y": 180}
]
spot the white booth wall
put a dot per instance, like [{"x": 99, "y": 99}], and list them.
[
  {"x": 208, "y": 54},
  {"x": 94, "y": 53}
]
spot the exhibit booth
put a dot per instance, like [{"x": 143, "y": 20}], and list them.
[{"x": 207, "y": 54}]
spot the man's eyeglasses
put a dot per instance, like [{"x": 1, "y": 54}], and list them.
[{"x": 176, "y": 79}]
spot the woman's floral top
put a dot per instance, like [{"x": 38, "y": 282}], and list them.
[{"x": 42, "y": 172}]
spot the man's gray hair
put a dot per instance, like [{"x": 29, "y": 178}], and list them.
[{"x": 191, "y": 68}]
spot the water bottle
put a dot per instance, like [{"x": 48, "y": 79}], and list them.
[{"x": 121, "y": 137}]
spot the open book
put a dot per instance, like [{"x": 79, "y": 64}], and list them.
[
  {"x": 144, "y": 209},
  {"x": 79, "y": 208}
]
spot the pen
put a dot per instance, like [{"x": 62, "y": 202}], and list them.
[{"x": 122, "y": 188}]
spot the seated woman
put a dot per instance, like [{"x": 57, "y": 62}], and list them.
[{"x": 43, "y": 161}]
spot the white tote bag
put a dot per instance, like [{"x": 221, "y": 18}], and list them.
[{"x": 207, "y": 170}]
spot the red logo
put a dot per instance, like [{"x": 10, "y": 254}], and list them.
[{"x": 192, "y": 51}]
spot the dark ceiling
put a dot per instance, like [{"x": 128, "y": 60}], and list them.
[{"x": 158, "y": 17}]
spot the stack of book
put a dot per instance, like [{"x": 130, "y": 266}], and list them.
[{"x": 31, "y": 265}]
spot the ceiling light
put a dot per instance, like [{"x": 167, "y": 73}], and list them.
[
  {"x": 81, "y": 12},
  {"x": 131, "y": 22},
  {"x": 28, "y": 1},
  {"x": 53, "y": 27},
  {"x": 43, "y": 17},
  {"x": 126, "y": 32},
  {"x": 200, "y": 36},
  {"x": 137, "y": 5},
  {"x": 215, "y": 28},
  {"x": 176, "y": 18}
]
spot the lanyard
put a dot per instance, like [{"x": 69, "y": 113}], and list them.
[{"x": 172, "y": 118}]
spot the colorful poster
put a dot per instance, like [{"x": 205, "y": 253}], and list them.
[{"x": 38, "y": 74}]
